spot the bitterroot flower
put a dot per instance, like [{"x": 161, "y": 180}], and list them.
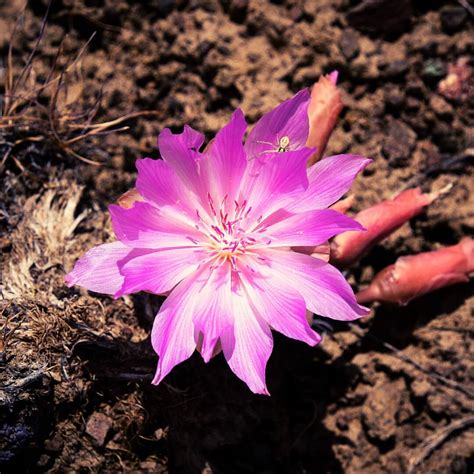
[{"x": 215, "y": 231}]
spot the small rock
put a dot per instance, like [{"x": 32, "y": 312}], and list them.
[
  {"x": 437, "y": 403},
  {"x": 420, "y": 388},
  {"x": 441, "y": 108},
  {"x": 166, "y": 6},
  {"x": 399, "y": 143},
  {"x": 238, "y": 10},
  {"x": 161, "y": 433},
  {"x": 342, "y": 423},
  {"x": 384, "y": 17},
  {"x": 433, "y": 70},
  {"x": 98, "y": 426},
  {"x": 458, "y": 84},
  {"x": 55, "y": 444},
  {"x": 395, "y": 69},
  {"x": 394, "y": 97},
  {"x": 296, "y": 13},
  {"x": 453, "y": 18},
  {"x": 149, "y": 465},
  {"x": 349, "y": 44},
  {"x": 412, "y": 104},
  {"x": 380, "y": 409},
  {"x": 43, "y": 461},
  {"x": 415, "y": 88},
  {"x": 448, "y": 139}
]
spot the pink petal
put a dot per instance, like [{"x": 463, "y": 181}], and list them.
[
  {"x": 160, "y": 271},
  {"x": 192, "y": 138},
  {"x": 177, "y": 151},
  {"x": 307, "y": 228},
  {"x": 98, "y": 269},
  {"x": 158, "y": 183},
  {"x": 270, "y": 183},
  {"x": 329, "y": 180},
  {"x": 323, "y": 287},
  {"x": 214, "y": 312},
  {"x": 224, "y": 164},
  {"x": 280, "y": 305},
  {"x": 289, "y": 119},
  {"x": 248, "y": 346},
  {"x": 146, "y": 226},
  {"x": 172, "y": 335}
]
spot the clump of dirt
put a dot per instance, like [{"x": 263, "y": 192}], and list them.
[{"x": 392, "y": 393}]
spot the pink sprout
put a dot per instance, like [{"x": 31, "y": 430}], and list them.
[{"x": 415, "y": 275}]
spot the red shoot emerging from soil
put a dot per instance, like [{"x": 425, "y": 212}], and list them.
[
  {"x": 323, "y": 111},
  {"x": 380, "y": 221},
  {"x": 416, "y": 275}
]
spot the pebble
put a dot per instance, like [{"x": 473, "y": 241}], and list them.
[
  {"x": 97, "y": 427},
  {"x": 238, "y": 10},
  {"x": 399, "y": 143},
  {"x": 380, "y": 409},
  {"x": 433, "y": 70},
  {"x": 384, "y": 17},
  {"x": 441, "y": 108},
  {"x": 395, "y": 69},
  {"x": 453, "y": 18},
  {"x": 349, "y": 44}
]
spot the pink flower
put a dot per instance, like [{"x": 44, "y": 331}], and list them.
[
  {"x": 416, "y": 275},
  {"x": 216, "y": 229}
]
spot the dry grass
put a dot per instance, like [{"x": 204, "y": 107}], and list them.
[{"x": 52, "y": 111}]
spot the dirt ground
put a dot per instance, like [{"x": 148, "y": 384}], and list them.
[{"x": 392, "y": 393}]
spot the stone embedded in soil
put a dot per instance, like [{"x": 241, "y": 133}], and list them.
[
  {"x": 238, "y": 10},
  {"x": 447, "y": 138},
  {"x": 394, "y": 69},
  {"x": 420, "y": 388},
  {"x": 349, "y": 44},
  {"x": 98, "y": 426},
  {"x": 393, "y": 97},
  {"x": 433, "y": 70},
  {"x": 399, "y": 143},
  {"x": 380, "y": 410},
  {"x": 383, "y": 17},
  {"x": 54, "y": 444},
  {"x": 441, "y": 108},
  {"x": 453, "y": 18},
  {"x": 438, "y": 403}
]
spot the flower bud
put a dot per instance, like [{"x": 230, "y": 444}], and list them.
[
  {"x": 380, "y": 221},
  {"x": 324, "y": 109},
  {"x": 129, "y": 198},
  {"x": 416, "y": 275}
]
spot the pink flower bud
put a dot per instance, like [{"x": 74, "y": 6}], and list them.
[
  {"x": 129, "y": 198},
  {"x": 416, "y": 275},
  {"x": 324, "y": 109},
  {"x": 319, "y": 251},
  {"x": 380, "y": 221},
  {"x": 343, "y": 205}
]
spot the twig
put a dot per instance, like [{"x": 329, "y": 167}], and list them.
[
  {"x": 27, "y": 66},
  {"x": 466, "y": 5},
  {"x": 437, "y": 439},
  {"x": 24, "y": 382}
]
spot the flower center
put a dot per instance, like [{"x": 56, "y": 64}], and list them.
[{"x": 222, "y": 228}]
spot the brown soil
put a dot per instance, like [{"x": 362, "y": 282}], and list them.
[{"x": 75, "y": 390}]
